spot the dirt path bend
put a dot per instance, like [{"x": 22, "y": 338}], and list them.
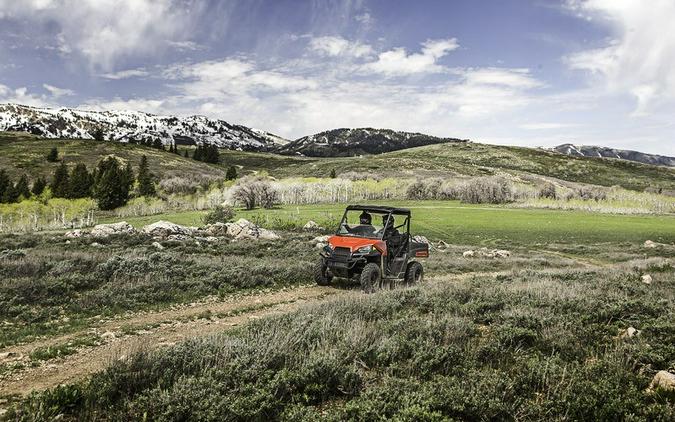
[{"x": 150, "y": 330}]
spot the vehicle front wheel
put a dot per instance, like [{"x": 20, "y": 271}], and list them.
[
  {"x": 370, "y": 278},
  {"x": 321, "y": 274},
  {"x": 414, "y": 274}
]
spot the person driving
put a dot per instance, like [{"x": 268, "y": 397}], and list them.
[{"x": 365, "y": 226}]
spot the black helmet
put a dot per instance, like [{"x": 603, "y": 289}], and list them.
[{"x": 365, "y": 218}]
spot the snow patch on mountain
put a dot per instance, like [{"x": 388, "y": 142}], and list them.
[
  {"x": 123, "y": 126},
  {"x": 621, "y": 154}
]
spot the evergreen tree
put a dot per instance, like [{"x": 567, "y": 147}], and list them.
[
  {"x": 111, "y": 187},
  {"x": 332, "y": 174},
  {"x": 22, "y": 187},
  {"x": 231, "y": 173},
  {"x": 53, "y": 155},
  {"x": 39, "y": 186},
  {"x": 198, "y": 154},
  {"x": 60, "y": 185},
  {"x": 146, "y": 186},
  {"x": 128, "y": 176},
  {"x": 81, "y": 182},
  {"x": 10, "y": 195},
  {"x": 98, "y": 134},
  {"x": 211, "y": 154},
  {"x": 4, "y": 182}
]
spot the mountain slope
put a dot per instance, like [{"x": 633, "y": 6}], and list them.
[
  {"x": 22, "y": 153},
  {"x": 124, "y": 126},
  {"x": 353, "y": 142},
  {"x": 623, "y": 154}
]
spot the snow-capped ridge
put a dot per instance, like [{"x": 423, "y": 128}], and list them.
[{"x": 126, "y": 125}]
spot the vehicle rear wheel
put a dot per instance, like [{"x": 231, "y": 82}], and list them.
[
  {"x": 414, "y": 273},
  {"x": 321, "y": 274},
  {"x": 370, "y": 278}
]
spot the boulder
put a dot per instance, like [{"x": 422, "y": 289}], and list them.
[
  {"x": 216, "y": 229},
  {"x": 166, "y": 229},
  {"x": 664, "y": 380},
  {"x": 647, "y": 279},
  {"x": 244, "y": 229},
  {"x": 469, "y": 254},
  {"x": 630, "y": 332},
  {"x": 312, "y": 225},
  {"x": 501, "y": 253},
  {"x": 105, "y": 230},
  {"x": 74, "y": 234},
  {"x": 650, "y": 244},
  {"x": 158, "y": 246},
  {"x": 441, "y": 245}
]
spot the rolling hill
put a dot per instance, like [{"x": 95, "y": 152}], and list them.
[
  {"x": 353, "y": 142},
  {"x": 21, "y": 153}
]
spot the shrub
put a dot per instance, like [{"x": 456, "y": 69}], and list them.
[
  {"x": 53, "y": 155},
  {"x": 548, "y": 191},
  {"x": 490, "y": 190},
  {"x": 220, "y": 214},
  {"x": 252, "y": 191}
]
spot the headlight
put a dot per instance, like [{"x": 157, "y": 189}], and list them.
[{"x": 365, "y": 249}]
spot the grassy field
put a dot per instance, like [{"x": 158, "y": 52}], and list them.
[
  {"x": 21, "y": 153},
  {"x": 465, "y": 224}
]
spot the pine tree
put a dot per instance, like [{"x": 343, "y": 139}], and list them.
[
  {"x": 60, "y": 185},
  {"x": 146, "y": 186},
  {"x": 111, "y": 187},
  {"x": 128, "y": 176},
  {"x": 332, "y": 174},
  {"x": 81, "y": 182},
  {"x": 198, "y": 154},
  {"x": 10, "y": 195},
  {"x": 98, "y": 134},
  {"x": 53, "y": 155},
  {"x": 39, "y": 186},
  {"x": 4, "y": 182},
  {"x": 231, "y": 173},
  {"x": 211, "y": 154},
  {"x": 22, "y": 187}
]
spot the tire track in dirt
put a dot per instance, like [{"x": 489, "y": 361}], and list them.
[{"x": 171, "y": 326}]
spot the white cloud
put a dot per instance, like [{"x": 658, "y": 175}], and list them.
[
  {"x": 365, "y": 19},
  {"x": 125, "y": 74},
  {"x": 103, "y": 31},
  {"x": 639, "y": 58},
  {"x": 399, "y": 62},
  {"x": 21, "y": 96},
  {"x": 58, "y": 92},
  {"x": 544, "y": 126},
  {"x": 338, "y": 46}
]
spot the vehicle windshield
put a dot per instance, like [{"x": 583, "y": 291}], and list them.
[{"x": 358, "y": 223}]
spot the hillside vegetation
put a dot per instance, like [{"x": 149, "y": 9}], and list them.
[
  {"x": 25, "y": 153},
  {"x": 21, "y": 153}
]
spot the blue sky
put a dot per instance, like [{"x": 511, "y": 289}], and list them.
[{"x": 536, "y": 73}]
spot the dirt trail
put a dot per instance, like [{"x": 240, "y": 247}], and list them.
[
  {"x": 162, "y": 329},
  {"x": 167, "y": 327}
]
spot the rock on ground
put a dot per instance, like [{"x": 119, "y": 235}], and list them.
[
  {"x": 485, "y": 253},
  {"x": 664, "y": 380},
  {"x": 216, "y": 229},
  {"x": 312, "y": 225},
  {"x": 167, "y": 228},
  {"x": 158, "y": 246},
  {"x": 244, "y": 229},
  {"x": 105, "y": 230},
  {"x": 630, "y": 332},
  {"x": 650, "y": 244},
  {"x": 647, "y": 279},
  {"x": 74, "y": 234}
]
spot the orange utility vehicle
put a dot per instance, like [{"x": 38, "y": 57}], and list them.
[{"x": 378, "y": 254}]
